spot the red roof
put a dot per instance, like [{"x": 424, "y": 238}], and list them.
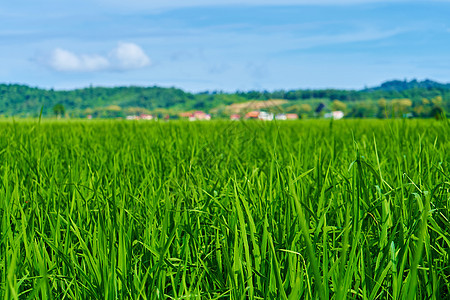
[
  {"x": 185, "y": 114},
  {"x": 252, "y": 114}
]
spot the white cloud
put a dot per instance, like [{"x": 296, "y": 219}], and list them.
[
  {"x": 63, "y": 60},
  {"x": 174, "y": 4},
  {"x": 129, "y": 56},
  {"x": 126, "y": 56}
]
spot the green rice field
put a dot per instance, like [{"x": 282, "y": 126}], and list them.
[{"x": 310, "y": 209}]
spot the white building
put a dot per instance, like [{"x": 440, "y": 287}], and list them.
[
  {"x": 281, "y": 117},
  {"x": 336, "y": 115},
  {"x": 265, "y": 116}
]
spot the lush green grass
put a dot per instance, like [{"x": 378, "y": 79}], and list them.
[{"x": 219, "y": 210}]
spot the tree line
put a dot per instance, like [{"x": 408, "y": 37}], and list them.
[{"x": 394, "y": 98}]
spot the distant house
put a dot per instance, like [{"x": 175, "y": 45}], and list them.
[
  {"x": 252, "y": 115},
  {"x": 201, "y": 115},
  {"x": 235, "y": 117},
  {"x": 286, "y": 117},
  {"x": 146, "y": 117},
  {"x": 265, "y": 116},
  {"x": 281, "y": 117},
  {"x": 291, "y": 116},
  {"x": 133, "y": 117},
  {"x": 185, "y": 115},
  {"x": 195, "y": 116},
  {"x": 260, "y": 115},
  {"x": 336, "y": 115}
]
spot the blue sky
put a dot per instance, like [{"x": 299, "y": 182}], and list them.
[{"x": 223, "y": 45}]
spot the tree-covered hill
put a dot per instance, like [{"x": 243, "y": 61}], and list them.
[
  {"x": 420, "y": 98},
  {"x": 398, "y": 85}
]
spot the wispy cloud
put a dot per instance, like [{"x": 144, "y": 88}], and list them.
[
  {"x": 64, "y": 60},
  {"x": 223, "y": 44},
  {"x": 126, "y": 56},
  {"x": 363, "y": 35},
  {"x": 160, "y": 4}
]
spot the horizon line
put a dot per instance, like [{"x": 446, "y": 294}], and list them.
[{"x": 219, "y": 90}]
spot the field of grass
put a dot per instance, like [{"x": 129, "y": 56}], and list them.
[{"x": 351, "y": 209}]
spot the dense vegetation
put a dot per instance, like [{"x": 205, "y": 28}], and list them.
[
  {"x": 394, "y": 98},
  {"x": 225, "y": 210}
]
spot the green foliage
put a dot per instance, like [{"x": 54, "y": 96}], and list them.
[
  {"x": 59, "y": 110},
  {"x": 24, "y": 101},
  {"x": 338, "y": 105},
  {"x": 225, "y": 210}
]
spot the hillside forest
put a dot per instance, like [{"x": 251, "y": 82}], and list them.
[{"x": 421, "y": 99}]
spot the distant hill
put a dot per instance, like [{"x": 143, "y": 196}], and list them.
[
  {"x": 254, "y": 105},
  {"x": 119, "y": 102},
  {"x": 399, "y": 85}
]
